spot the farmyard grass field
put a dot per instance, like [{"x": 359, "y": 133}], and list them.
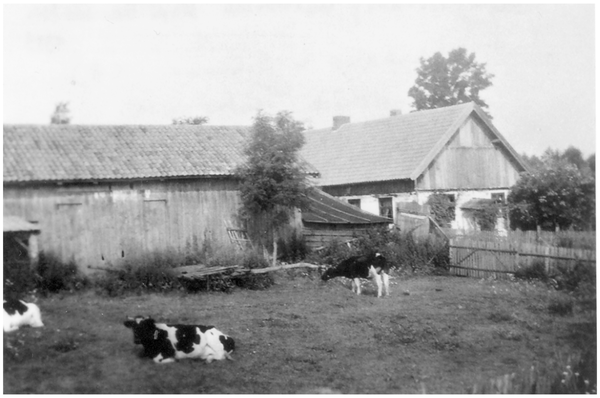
[{"x": 304, "y": 336}]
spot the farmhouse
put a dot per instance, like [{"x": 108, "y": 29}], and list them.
[{"x": 382, "y": 165}]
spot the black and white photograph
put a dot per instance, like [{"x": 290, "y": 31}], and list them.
[{"x": 309, "y": 198}]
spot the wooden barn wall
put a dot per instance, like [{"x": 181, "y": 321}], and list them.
[
  {"x": 371, "y": 188},
  {"x": 470, "y": 161},
  {"x": 107, "y": 224},
  {"x": 317, "y": 235}
]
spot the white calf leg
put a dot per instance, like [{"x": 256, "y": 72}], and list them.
[
  {"x": 378, "y": 281},
  {"x": 386, "y": 283},
  {"x": 357, "y": 282}
]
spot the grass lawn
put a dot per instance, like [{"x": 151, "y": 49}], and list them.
[{"x": 441, "y": 334}]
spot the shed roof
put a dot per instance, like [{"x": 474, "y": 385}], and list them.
[
  {"x": 325, "y": 209},
  {"x": 104, "y": 152},
  {"x": 397, "y": 147},
  {"x": 17, "y": 224}
]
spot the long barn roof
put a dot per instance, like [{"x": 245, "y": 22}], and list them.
[
  {"x": 103, "y": 152},
  {"x": 398, "y": 147}
]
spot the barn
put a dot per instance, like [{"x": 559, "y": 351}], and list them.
[
  {"x": 106, "y": 194},
  {"x": 381, "y": 165}
]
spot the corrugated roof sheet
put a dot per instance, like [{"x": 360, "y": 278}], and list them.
[
  {"x": 87, "y": 152},
  {"x": 379, "y": 150},
  {"x": 17, "y": 224},
  {"x": 325, "y": 209}
]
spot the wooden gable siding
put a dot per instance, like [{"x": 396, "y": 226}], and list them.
[
  {"x": 470, "y": 160},
  {"x": 107, "y": 224},
  {"x": 371, "y": 188}
]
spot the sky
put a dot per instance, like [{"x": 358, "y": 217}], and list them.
[{"x": 148, "y": 64}]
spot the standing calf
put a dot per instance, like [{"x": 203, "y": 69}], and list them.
[
  {"x": 164, "y": 343},
  {"x": 357, "y": 267}
]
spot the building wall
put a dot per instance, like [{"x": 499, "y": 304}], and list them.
[
  {"x": 470, "y": 160},
  {"x": 107, "y": 224}
]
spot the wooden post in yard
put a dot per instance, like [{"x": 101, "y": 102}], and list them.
[{"x": 33, "y": 250}]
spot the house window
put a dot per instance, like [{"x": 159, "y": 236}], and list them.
[
  {"x": 499, "y": 198},
  {"x": 354, "y": 202},
  {"x": 385, "y": 207}
]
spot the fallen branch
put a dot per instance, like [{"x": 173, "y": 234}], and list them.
[{"x": 285, "y": 266}]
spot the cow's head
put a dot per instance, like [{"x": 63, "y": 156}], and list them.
[
  {"x": 330, "y": 273},
  {"x": 143, "y": 328}
]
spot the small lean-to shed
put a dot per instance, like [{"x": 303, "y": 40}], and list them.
[
  {"x": 329, "y": 219},
  {"x": 20, "y": 242}
]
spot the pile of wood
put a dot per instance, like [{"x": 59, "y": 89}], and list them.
[{"x": 195, "y": 272}]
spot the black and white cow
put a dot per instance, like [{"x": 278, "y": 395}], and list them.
[
  {"x": 164, "y": 343},
  {"x": 367, "y": 267},
  {"x": 18, "y": 313}
]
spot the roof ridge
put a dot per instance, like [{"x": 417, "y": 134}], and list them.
[{"x": 402, "y": 116}]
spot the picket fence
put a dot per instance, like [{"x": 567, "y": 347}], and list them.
[{"x": 501, "y": 257}]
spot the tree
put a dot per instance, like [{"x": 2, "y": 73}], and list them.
[
  {"x": 555, "y": 196},
  {"x": 272, "y": 184},
  {"x": 449, "y": 81},
  {"x": 190, "y": 120},
  {"x": 61, "y": 114}
]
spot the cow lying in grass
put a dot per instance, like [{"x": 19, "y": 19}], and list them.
[
  {"x": 368, "y": 267},
  {"x": 164, "y": 343},
  {"x": 18, "y": 313}
]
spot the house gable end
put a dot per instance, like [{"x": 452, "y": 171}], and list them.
[{"x": 474, "y": 157}]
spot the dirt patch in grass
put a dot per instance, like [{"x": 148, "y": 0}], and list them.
[{"x": 299, "y": 336}]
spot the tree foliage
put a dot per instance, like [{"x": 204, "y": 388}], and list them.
[
  {"x": 61, "y": 114},
  {"x": 272, "y": 183},
  {"x": 190, "y": 120},
  {"x": 442, "y": 209},
  {"x": 556, "y": 194},
  {"x": 449, "y": 81}
]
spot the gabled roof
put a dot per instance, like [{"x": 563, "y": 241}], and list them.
[
  {"x": 394, "y": 148},
  {"x": 89, "y": 153},
  {"x": 325, "y": 209}
]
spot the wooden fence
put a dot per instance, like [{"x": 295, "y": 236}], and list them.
[{"x": 501, "y": 257}]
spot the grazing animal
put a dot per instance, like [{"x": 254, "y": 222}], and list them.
[
  {"x": 19, "y": 313},
  {"x": 164, "y": 343},
  {"x": 357, "y": 267}
]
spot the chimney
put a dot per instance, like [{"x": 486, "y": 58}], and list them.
[
  {"x": 339, "y": 120},
  {"x": 395, "y": 112}
]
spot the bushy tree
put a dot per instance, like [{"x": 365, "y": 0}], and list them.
[
  {"x": 449, "y": 81},
  {"x": 61, "y": 114},
  {"x": 272, "y": 183},
  {"x": 190, "y": 120},
  {"x": 557, "y": 195}
]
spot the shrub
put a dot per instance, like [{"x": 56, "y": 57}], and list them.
[
  {"x": 571, "y": 278},
  {"x": 535, "y": 271},
  {"x": 151, "y": 273},
  {"x": 19, "y": 279},
  {"x": 331, "y": 253},
  {"x": 55, "y": 276},
  {"x": 561, "y": 305},
  {"x": 402, "y": 250},
  {"x": 292, "y": 250}
]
